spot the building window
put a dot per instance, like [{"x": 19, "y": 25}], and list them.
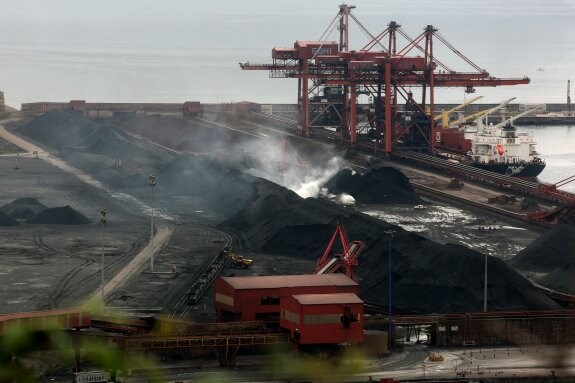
[
  {"x": 270, "y": 301},
  {"x": 290, "y": 316},
  {"x": 322, "y": 319},
  {"x": 225, "y": 299}
]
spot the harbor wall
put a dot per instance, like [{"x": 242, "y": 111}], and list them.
[{"x": 547, "y": 114}]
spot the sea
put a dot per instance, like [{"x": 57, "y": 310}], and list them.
[
  {"x": 177, "y": 50},
  {"x": 556, "y": 144}
]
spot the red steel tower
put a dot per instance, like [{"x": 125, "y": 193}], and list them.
[{"x": 331, "y": 77}]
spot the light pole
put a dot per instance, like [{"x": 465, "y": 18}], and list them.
[
  {"x": 390, "y": 234},
  {"x": 485, "y": 283},
  {"x": 483, "y": 228},
  {"x": 103, "y": 222},
  {"x": 152, "y": 184}
]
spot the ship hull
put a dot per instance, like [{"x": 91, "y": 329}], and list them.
[{"x": 529, "y": 170}]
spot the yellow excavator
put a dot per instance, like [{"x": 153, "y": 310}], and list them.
[{"x": 237, "y": 261}]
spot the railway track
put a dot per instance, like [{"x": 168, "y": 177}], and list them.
[
  {"x": 181, "y": 309},
  {"x": 67, "y": 284}
]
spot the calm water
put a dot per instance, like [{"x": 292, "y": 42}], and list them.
[
  {"x": 556, "y": 144},
  {"x": 144, "y": 50}
]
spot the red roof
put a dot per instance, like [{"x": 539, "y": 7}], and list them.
[
  {"x": 327, "y": 299},
  {"x": 279, "y": 281}
]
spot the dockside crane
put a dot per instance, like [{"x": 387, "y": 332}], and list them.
[
  {"x": 331, "y": 76},
  {"x": 482, "y": 120},
  {"x": 444, "y": 115},
  {"x": 511, "y": 119}
]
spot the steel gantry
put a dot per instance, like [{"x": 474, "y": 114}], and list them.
[{"x": 331, "y": 77}]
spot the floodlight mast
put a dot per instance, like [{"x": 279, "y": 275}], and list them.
[{"x": 152, "y": 184}]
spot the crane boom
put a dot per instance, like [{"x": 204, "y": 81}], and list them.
[
  {"x": 510, "y": 120},
  {"x": 485, "y": 112},
  {"x": 502, "y": 105},
  {"x": 444, "y": 116}
]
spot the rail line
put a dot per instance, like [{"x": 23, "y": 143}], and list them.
[{"x": 181, "y": 308}]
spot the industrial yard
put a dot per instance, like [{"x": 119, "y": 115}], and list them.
[
  {"x": 67, "y": 270},
  {"x": 365, "y": 233}
]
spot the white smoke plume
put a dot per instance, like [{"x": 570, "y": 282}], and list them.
[
  {"x": 308, "y": 183},
  {"x": 284, "y": 166}
]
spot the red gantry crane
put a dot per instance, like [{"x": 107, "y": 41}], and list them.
[{"x": 331, "y": 77}]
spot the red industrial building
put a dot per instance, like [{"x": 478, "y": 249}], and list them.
[
  {"x": 259, "y": 297},
  {"x": 323, "y": 318}
]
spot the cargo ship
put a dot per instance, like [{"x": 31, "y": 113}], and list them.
[
  {"x": 497, "y": 148},
  {"x": 502, "y": 149}
]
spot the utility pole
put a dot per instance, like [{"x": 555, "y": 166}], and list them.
[
  {"x": 152, "y": 184},
  {"x": 103, "y": 223},
  {"x": 390, "y": 234},
  {"x": 483, "y": 227},
  {"x": 485, "y": 286}
]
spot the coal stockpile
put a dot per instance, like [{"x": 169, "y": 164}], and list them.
[
  {"x": 223, "y": 190},
  {"x": 99, "y": 148},
  {"x": 23, "y": 208},
  {"x": 5, "y": 220},
  {"x": 552, "y": 253},
  {"x": 184, "y": 135},
  {"x": 60, "y": 216},
  {"x": 427, "y": 277},
  {"x": 379, "y": 186}
]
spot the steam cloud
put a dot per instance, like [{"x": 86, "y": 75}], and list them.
[{"x": 284, "y": 167}]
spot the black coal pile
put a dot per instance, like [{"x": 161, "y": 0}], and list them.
[
  {"x": 223, "y": 190},
  {"x": 60, "y": 216},
  {"x": 380, "y": 186},
  {"x": 553, "y": 254},
  {"x": 187, "y": 136},
  {"x": 6, "y": 220},
  {"x": 23, "y": 208},
  {"x": 100, "y": 149},
  {"x": 427, "y": 277}
]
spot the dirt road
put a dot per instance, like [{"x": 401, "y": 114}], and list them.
[
  {"x": 138, "y": 263},
  {"x": 43, "y": 155}
]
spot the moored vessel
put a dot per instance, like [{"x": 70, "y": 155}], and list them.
[{"x": 499, "y": 148}]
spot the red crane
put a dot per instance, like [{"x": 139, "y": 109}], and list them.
[
  {"x": 331, "y": 77},
  {"x": 344, "y": 261}
]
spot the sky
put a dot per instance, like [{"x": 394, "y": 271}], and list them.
[{"x": 177, "y": 50}]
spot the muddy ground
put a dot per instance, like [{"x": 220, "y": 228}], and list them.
[{"x": 203, "y": 198}]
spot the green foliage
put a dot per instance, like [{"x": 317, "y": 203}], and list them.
[
  {"x": 315, "y": 366},
  {"x": 22, "y": 344}
]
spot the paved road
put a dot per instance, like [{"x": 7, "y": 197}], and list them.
[{"x": 161, "y": 237}]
